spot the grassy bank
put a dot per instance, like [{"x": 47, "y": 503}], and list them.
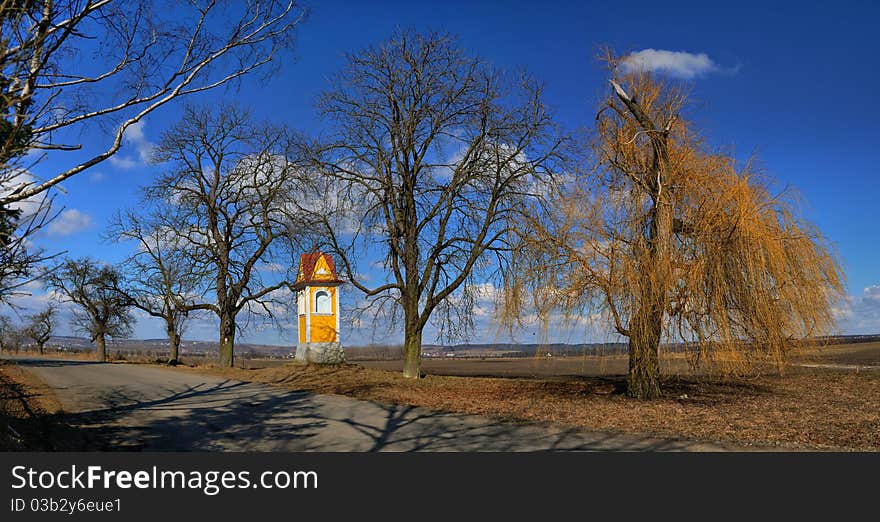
[{"x": 29, "y": 411}]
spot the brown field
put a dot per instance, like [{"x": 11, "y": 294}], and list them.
[
  {"x": 562, "y": 367},
  {"x": 529, "y": 367},
  {"x": 860, "y": 354}
]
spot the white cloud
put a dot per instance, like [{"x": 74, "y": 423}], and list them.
[
  {"x": 34, "y": 297},
  {"x": 69, "y": 222},
  {"x": 678, "y": 64},
  {"x": 97, "y": 176},
  {"x": 860, "y": 314},
  {"x": 272, "y": 267},
  {"x": 143, "y": 148},
  {"x": 14, "y": 179},
  {"x": 122, "y": 162}
]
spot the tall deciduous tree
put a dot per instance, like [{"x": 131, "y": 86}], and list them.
[
  {"x": 433, "y": 152},
  {"x": 225, "y": 200},
  {"x": 71, "y": 63},
  {"x": 675, "y": 241},
  {"x": 159, "y": 278},
  {"x": 100, "y": 310},
  {"x": 76, "y": 68}
]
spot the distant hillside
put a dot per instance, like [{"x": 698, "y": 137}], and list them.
[
  {"x": 390, "y": 351},
  {"x": 161, "y": 345}
]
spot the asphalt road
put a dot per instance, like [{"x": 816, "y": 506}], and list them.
[{"x": 139, "y": 407}]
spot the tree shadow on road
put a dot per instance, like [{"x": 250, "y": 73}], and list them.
[
  {"x": 204, "y": 417},
  {"x": 296, "y": 421},
  {"x": 409, "y": 428},
  {"x": 231, "y": 415}
]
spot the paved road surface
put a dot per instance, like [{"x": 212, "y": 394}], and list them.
[{"x": 149, "y": 408}]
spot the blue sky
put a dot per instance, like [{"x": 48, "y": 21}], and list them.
[{"x": 794, "y": 83}]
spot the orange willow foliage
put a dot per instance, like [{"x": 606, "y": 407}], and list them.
[{"x": 739, "y": 274}]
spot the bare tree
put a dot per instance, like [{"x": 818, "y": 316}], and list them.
[
  {"x": 71, "y": 63},
  {"x": 39, "y": 327},
  {"x": 226, "y": 200},
  {"x": 101, "y": 311},
  {"x": 75, "y": 68},
  {"x": 159, "y": 279},
  {"x": 12, "y": 339},
  {"x": 433, "y": 153},
  {"x": 7, "y": 328},
  {"x": 675, "y": 241}
]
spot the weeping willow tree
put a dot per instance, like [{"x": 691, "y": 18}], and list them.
[{"x": 673, "y": 241}]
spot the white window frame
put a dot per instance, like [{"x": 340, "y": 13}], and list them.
[{"x": 329, "y": 303}]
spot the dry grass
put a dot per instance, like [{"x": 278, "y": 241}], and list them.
[
  {"x": 28, "y": 409},
  {"x": 811, "y": 409},
  {"x": 855, "y": 354}
]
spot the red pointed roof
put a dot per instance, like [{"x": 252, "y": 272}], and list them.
[{"x": 306, "y": 274}]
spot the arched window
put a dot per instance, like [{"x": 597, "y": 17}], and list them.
[{"x": 322, "y": 302}]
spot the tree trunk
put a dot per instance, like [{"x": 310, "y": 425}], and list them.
[
  {"x": 173, "y": 344},
  {"x": 646, "y": 326},
  {"x": 101, "y": 343},
  {"x": 412, "y": 352},
  {"x": 40, "y": 346},
  {"x": 643, "y": 381},
  {"x": 227, "y": 339}
]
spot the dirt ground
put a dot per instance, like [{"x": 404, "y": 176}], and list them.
[
  {"x": 28, "y": 410},
  {"x": 808, "y": 408}
]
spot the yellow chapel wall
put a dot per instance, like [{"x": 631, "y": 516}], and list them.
[{"x": 322, "y": 327}]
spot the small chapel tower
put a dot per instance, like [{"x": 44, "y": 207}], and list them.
[{"x": 317, "y": 288}]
